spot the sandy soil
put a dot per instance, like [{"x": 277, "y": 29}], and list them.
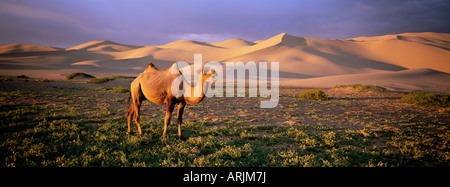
[{"x": 345, "y": 108}]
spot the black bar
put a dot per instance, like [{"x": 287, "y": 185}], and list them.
[{"x": 228, "y": 176}]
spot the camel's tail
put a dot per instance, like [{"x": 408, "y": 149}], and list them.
[{"x": 129, "y": 97}]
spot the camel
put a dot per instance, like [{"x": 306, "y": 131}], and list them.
[{"x": 155, "y": 85}]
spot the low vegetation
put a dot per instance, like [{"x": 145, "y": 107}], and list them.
[
  {"x": 120, "y": 89},
  {"x": 54, "y": 126},
  {"x": 78, "y": 74},
  {"x": 427, "y": 99},
  {"x": 361, "y": 88},
  {"x": 110, "y": 78},
  {"x": 23, "y": 77},
  {"x": 314, "y": 95}
]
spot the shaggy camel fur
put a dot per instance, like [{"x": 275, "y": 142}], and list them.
[{"x": 155, "y": 85}]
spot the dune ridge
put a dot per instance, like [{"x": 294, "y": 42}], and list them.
[
  {"x": 234, "y": 43},
  {"x": 17, "y": 47},
  {"x": 103, "y": 45},
  {"x": 410, "y": 61}
]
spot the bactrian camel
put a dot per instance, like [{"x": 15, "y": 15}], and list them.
[{"x": 155, "y": 85}]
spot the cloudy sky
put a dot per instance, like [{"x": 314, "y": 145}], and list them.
[{"x": 61, "y": 23}]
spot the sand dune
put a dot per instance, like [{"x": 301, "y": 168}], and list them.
[
  {"x": 402, "y": 61},
  {"x": 87, "y": 63},
  {"x": 406, "y": 80},
  {"x": 234, "y": 43},
  {"x": 15, "y": 48},
  {"x": 412, "y": 50},
  {"x": 103, "y": 45}
]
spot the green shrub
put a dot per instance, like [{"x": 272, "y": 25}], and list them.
[
  {"x": 100, "y": 80},
  {"x": 23, "y": 77},
  {"x": 79, "y": 74},
  {"x": 427, "y": 99},
  {"x": 361, "y": 88},
  {"x": 313, "y": 95},
  {"x": 120, "y": 89},
  {"x": 106, "y": 79}
]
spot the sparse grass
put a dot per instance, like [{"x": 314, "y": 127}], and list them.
[
  {"x": 314, "y": 95},
  {"x": 79, "y": 127},
  {"x": 110, "y": 78},
  {"x": 78, "y": 74},
  {"x": 427, "y": 99},
  {"x": 120, "y": 89},
  {"x": 361, "y": 88}
]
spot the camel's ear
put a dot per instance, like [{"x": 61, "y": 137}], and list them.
[
  {"x": 208, "y": 70},
  {"x": 211, "y": 72},
  {"x": 211, "y": 76}
]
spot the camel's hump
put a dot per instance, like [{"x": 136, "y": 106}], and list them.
[{"x": 150, "y": 67}]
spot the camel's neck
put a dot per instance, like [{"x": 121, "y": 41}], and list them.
[{"x": 196, "y": 92}]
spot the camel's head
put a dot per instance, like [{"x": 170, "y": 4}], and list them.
[{"x": 209, "y": 77}]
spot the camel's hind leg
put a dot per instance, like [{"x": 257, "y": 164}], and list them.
[
  {"x": 137, "y": 115},
  {"x": 136, "y": 97},
  {"x": 134, "y": 111},
  {"x": 129, "y": 116}
]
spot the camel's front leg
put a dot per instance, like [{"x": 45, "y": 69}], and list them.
[
  {"x": 170, "y": 106},
  {"x": 180, "y": 118}
]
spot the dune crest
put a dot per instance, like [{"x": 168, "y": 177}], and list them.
[
  {"x": 103, "y": 45},
  {"x": 234, "y": 43},
  {"x": 17, "y": 47}
]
